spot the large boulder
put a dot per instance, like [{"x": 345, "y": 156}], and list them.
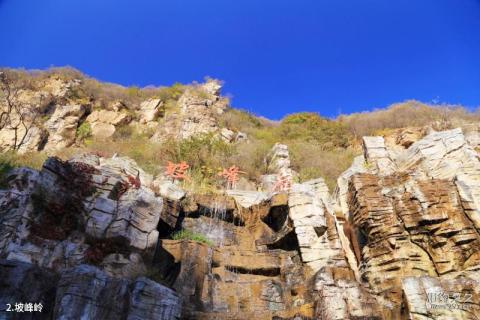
[
  {"x": 49, "y": 216},
  {"x": 376, "y": 155},
  {"x": 195, "y": 114},
  {"x": 87, "y": 292},
  {"x": 315, "y": 227},
  {"x": 28, "y": 140},
  {"x": 26, "y": 283},
  {"x": 279, "y": 167},
  {"x": 62, "y": 126},
  {"x": 150, "y": 110},
  {"x": 104, "y": 122}
]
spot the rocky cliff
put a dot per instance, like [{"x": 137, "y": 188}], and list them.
[
  {"x": 97, "y": 237},
  {"x": 92, "y": 238},
  {"x": 47, "y": 112}
]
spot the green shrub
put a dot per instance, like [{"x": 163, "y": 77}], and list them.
[
  {"x": 189, "y": 235},
  {"x": 170, "y": 93},
  {"x": 243, "y": 120},
  {"x": 6, "y": 164},
  {"x": 84, "y": 131},
  {"x": 309, "y": 126},
  {"x": 205, "y": 154}
]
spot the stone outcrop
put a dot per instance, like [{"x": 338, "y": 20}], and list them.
[
  {"x": 401, "y": 139},
  {"x": 104, "y": 122},
  {"x": 252, "y": 271},
  {"x": 196, "y": 113},
  {"x": 87, "y": 292},
  {"x": 62, "y": 126},
  {"x": 399, "y": 235},
  {"x": 33, "y": 139},
  {"x": 415, "y": 228},
  {"x": 434, "y": 298},
  {"x": 45, "y": 111},
  {"x": 150, "y": 110},
  {"x": 198, "y": 108},
  {"x": 61, "y": 113},
  {"x": 107, "y": 199},
  {"x": 278, "y": 165},
  {"x": 376, "y": 154}
]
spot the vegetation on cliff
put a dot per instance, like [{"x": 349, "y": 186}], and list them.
[{"x": 319, "y": 147}]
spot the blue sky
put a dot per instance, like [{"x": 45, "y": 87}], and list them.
[{"x": 275, "y": 56}]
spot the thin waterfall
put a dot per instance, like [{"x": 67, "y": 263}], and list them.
[{"x": 213, "y": 228}]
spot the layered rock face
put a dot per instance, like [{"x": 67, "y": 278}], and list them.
[
  {"x": 415, "y": 228},
  {"x": 72, "y": 215},
  {"x": 55, "y": 116},
  {"x": 95, "y": 228},
  {"x": 26, "y": 133},
  {"x": 279, "y": 167},
  {"x": 196, "y": 114},
  {"x": 97, "y": 238}
]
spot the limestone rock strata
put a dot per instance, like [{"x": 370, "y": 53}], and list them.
[
  {"x": 98, "y": 223},
  {"x": 62, "y": 126},
  {"x": 400, "y": 231},
  {"x": 86, "y": 292},
  {"x": 43, "y": 213},
  {"x": 279, "y": 166},
  {"x": 416, "y": 228},
  {"x": 436, "y": 298},
  {"x": 104, "y": 122},
  {"x": 195, "y": 114}
]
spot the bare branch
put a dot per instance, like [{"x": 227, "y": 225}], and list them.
[{"x": 15, "y": 114}]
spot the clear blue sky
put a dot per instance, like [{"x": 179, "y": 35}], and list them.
[{"x": 275, "y": 56}]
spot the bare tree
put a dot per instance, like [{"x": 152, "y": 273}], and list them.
[{"x": 16, "y": 115}]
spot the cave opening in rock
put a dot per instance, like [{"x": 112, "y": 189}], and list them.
[
  {"x": 223, "y": 214},
  {"x": 267, "y": 272},
  {"x": 276, "y": 217},
  {"x": 165, "y": 269},
  {"x": 164, "y": 230},
  {"x": 288, "y": 243}
]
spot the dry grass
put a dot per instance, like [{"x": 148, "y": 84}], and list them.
[
  {"x": 319, "y": 147},
  {"x": 407, "y": 114},
  {"x": 311, "y": 163}
]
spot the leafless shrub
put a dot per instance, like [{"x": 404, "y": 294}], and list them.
[{"x": 16, "y": 114}]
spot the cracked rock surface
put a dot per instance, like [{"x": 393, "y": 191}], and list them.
[{"x": 98, "y": 238}]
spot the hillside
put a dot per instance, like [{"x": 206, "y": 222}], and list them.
[
  {"x": 154, "y": 125},
  {"x": 169, "y": 203}
]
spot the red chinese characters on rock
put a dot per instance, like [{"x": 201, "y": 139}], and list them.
[
  {"x": 283, "y": 183},
  {"x": 231, "y": 175},
  {"x": 176, "y": 171}
]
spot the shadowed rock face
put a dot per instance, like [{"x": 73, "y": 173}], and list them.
[
  {"x": 85, "y": 292},
  {"x": 92, "y": 239},
  {"x": 26, "y": 283}
]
